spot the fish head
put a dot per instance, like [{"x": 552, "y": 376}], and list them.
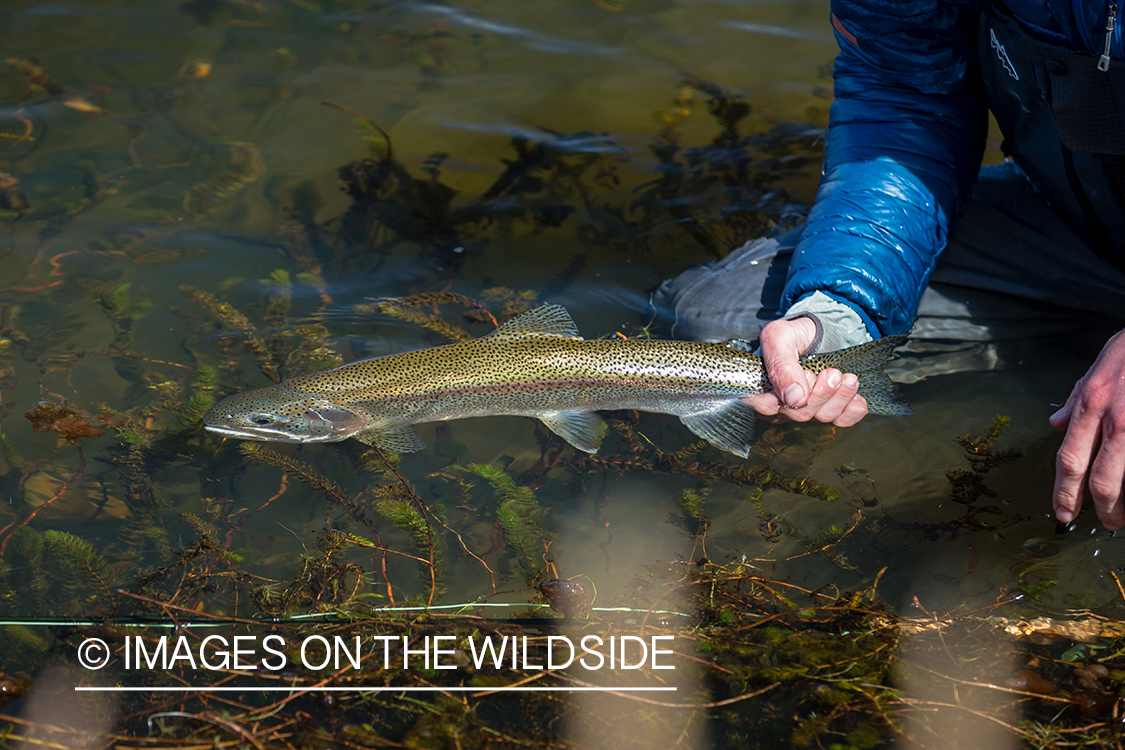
[{"x": 282, "y": 415}]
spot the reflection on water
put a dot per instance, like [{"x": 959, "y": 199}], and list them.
[{"x": 185, "y": 219}]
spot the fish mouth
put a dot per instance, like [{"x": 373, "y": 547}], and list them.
[{"x": 268, "y": 435}]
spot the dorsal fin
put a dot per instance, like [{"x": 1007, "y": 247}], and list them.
[{"x": 547, "y": 320}]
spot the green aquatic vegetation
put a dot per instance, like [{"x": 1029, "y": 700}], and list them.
[
  {"x": 82, "y": 567},
  {"x": 232, "y": 320},
  {"x": 122, "y": 312},
  {"x": 511, "y": 301},
  {"x": 231, "y": 167},
  {"x": 25, "y": 639},
  {"x": 378, "y": 142},
  {"x": 1038, "y": 578},
  {"x": 397, "y": 503},
  {"x": 307, "y": 474},
  {"x": 54, "y": 573},
  {"x": 520, "y": 532},
  {"x": 825, "y": 658},
  {"x": 26, "y": 576},
  {"x": 190, "y": 418},
  {"x": 773, "y": 527},
  {"x": 648, "y": 456},
  {"x": 208, "y": 531},
  {"x": 692, "y": 517},
  {"x": 401, "y": 308},
  {"x": 968, "y": 486},
  {"x": 728, "y": 179},
  {"x": 420, "y": 319},
  {"x": 309, "y": 346},
  {"x": 313, "y": 352},
  {"x": 519, "y": 515},
  {"x": 14, "y": 463},
  {"x": 294, "y": 228},
  {"x": 325, "y": 582},
  {"x": 203, "y": 569},
  {"x": 280, "y": 299},
  {"x": 691, "y": 503},
  {"x": 136, "y": 458}
]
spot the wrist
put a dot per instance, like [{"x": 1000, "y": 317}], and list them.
[{"x": 839, "y": 325}]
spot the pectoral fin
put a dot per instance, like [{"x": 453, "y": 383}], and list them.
[
  {"x": 582, "y": 429},
  {"x": 399, "y": 437},
  {"x": 728, "y": 425}
]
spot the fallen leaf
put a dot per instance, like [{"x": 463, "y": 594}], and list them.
[{"x": 71, "y": 421}]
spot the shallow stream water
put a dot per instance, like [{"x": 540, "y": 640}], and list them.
[{"x": 189, "y": 145}]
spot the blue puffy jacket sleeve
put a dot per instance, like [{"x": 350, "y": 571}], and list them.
[{"x": 905, "y": 140}]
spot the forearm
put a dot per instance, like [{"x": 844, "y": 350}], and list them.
[{"x": 904, "y": 146}]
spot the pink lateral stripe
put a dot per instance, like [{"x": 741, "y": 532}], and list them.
[{"x": 843, "y": 32}]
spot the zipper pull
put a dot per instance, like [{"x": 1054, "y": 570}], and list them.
[{"x": 1110, "y": 24}]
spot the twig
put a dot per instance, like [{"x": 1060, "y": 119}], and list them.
[{"x": 714, "y": 704}]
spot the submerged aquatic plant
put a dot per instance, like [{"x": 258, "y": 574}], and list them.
[
  {"x": 519, "y": 516},
  {"x": 968, "y": 486},
  {"x": 783, "y": 663}
]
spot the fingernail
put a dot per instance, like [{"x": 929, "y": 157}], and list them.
[
  {"x": 792, "y": 394},
  {"x": 833, "y": 378},
  {"x": 1064, "y": 515},
  {"x": 850, "y": 381}
]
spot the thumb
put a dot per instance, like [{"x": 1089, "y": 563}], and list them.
[
  {"x": 1060, "y": 420},
  {"x": 782, "y": 342}
]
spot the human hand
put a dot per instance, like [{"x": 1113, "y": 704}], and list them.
[
  {"x": 829, "y": 396},
  {"x": 1095, "y": 409}
]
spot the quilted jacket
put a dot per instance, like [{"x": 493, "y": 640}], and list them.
[{"x": 906, "y": 135}]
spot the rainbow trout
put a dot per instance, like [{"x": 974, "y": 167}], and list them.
[{"x": 535, "y": 365}]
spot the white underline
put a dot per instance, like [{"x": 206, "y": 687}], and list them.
[{"x": 124, "y": 689}]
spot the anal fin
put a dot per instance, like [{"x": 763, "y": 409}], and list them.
[
  {"x": 728, "y": 425},
  {"x": 399, "y": 437},
  {"x": 582, "y": 429}
]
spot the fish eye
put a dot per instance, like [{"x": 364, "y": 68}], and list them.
[{"x": 261, "y": 419}]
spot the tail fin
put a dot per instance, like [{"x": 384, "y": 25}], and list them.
[{"x": 867, "y": 362}]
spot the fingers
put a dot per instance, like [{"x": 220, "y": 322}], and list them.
[
  {"x": 855, "y": 411},
  {"x": 765, "y": 403},
  {"x": 783, "y": 342},
  {"x": 833, "y": 397},
  {"x": 1095, "y": 411},
  {"x": 1105, "y": 478},
  {"x": 1060, "y": 419},
  {"x": 1073, "y": 460}
]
